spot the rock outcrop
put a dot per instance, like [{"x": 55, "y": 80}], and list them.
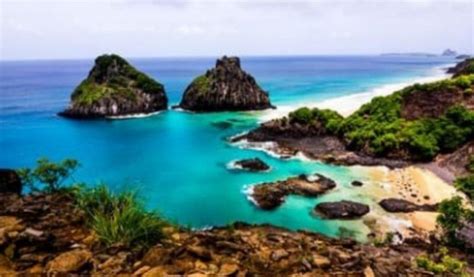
[
  {"x": 394, "y": 205},
  {"x": 463, "y": 68},
  {"x": 46, "y": 235},
  {"x": 341, "y": 209},
  {"x": 115, "y": 88},
  {"x": 357, "y": 183},
  {"x": 10, "y": 182},
  {"x": 254, "y": 164},
  {"x": 269, "y": 196},
  {"x": 226, "y": 87}
]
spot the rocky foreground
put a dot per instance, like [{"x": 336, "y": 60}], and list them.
[
  {"x": 45, "y": 234},
  {"x": 115, "y": 88},
  {"x": 226, "y": 87}
]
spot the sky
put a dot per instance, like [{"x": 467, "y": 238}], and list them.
[{"x": 70, "y": 29}]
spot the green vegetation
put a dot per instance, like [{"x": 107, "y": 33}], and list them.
[
  {"x": 202, "y": 84},
  {"x": 378, "y": 128},
  {"x": 452, "y": 216},
  {"x": 113, "y": 77},
  {"x": 466, "y": 185},
  {"x": 49, "y": 175},
  {"x": 115, "y": 218},
  {"x": 328, "y": 119},
  {"x": 444, "y": 264},
  {"x": 119, "y": 218}
]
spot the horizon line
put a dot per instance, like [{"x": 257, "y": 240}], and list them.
[{"x": 419, "y": 54}]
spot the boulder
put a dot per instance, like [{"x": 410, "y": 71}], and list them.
[
  {"x": 394, "y": 205},
  {"x": 269, "y": 196},
  {"x": 226, "y": 87},
  {"x": 10, "y": 182},
  {"x": 254, "y": 164},
  {"x": 69, "y": 262},
  {"x": 115, "y": 88},
  {"x": 357, "y": 183},
  {"x": 342, "y": 209}
]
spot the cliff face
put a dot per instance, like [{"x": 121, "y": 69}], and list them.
[
  {"x": 115, "y": 88},
  {"x": 226, "y": 87}
]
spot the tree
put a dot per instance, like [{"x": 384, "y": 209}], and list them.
[{"x": 49, "y": 174}]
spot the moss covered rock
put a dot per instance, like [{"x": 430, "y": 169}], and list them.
[
  {"x": 115, "y": 88},
  {"x": 226, "y": 87}
]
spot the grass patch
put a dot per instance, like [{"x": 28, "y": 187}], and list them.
[{"x": 120, "y": 218}]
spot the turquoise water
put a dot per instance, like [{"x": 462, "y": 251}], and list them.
[{"x": 179, "y": 160}]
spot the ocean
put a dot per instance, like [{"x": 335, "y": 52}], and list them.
[{"x": 179, "y": 161}]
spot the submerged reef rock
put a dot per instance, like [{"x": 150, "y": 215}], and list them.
[
  {"x": 394, "y": 205},
  {"x": 254, "y": 164},
  {"x": 10, "y": 182},
  {"x": 341, "y": 209},
  {"x": 226, "y": 87},
  {"x": 115, "y": 88},
  {"x": 269, "y": 196}
]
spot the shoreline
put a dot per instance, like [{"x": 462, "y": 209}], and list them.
[{"x": 347, "y": 104}]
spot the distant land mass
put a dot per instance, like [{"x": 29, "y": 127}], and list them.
[{"x": 416, "y": 54}]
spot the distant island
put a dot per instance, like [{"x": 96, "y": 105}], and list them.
[{"x": 115, "y": 88}]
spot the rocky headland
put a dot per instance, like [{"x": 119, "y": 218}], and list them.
[
  {"x": 115, "y": 88},
  {"x": 413, "y": 125},
  {"x": 463, "y": 68},
  {"x": 226, "y": 87},
  {"x": 269, "y": 196}
]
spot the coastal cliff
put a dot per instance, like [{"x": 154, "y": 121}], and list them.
[
  {"x": 226, "y": 87},
  {"x": 115, "y": 88},
  {"x": 414, "y": 124}
]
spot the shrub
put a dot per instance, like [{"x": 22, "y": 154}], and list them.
[
  {"x": 470, "y": 164},
  {"x": 463, "y": 82},
  {"x": 444, "y": 265},
  {"x": 452, "y": 215},
  {"x": 49, "y": 175},
  {"x": 466, "y": 185},
  {"x": 119, "y": 218},
  {"x": 301, "y": 115}
]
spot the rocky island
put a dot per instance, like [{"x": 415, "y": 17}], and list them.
[
  {"x": 115, "y": 88},
  {"x": 226, "y": 87}
]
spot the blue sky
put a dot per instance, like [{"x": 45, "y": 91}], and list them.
[{"x": 53, "y": 29}]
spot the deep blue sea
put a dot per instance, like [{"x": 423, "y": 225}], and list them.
[{"x": 178, "y": 160}]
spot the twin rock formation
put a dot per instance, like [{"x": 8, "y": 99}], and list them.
[{"x": 115, "y": 88}]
